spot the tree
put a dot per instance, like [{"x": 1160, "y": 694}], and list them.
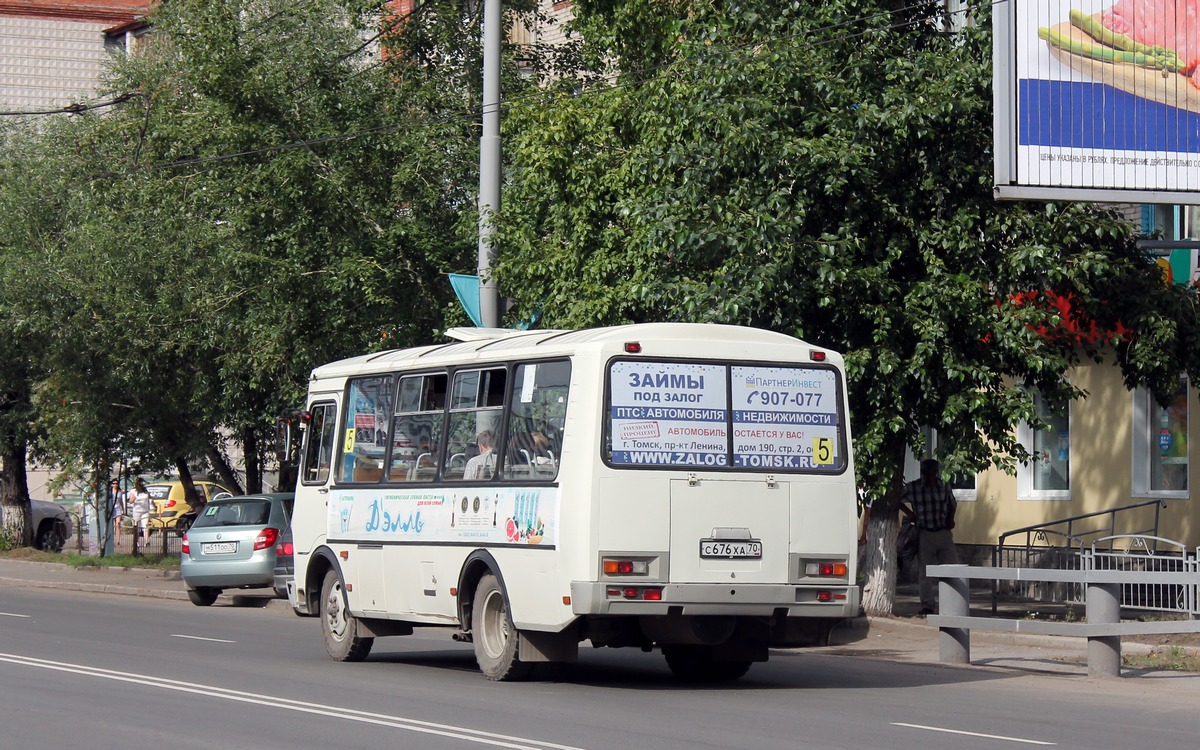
[
  {"x": 272, "y": 193},
  {"x": 824, "y": 170}
]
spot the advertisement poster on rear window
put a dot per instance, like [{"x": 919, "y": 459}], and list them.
[
  {"x": 785, "y": 418},
  {"x": 669, "y": 413},
  {"x": 1107, "y": 94}
]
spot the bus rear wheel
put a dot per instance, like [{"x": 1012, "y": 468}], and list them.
[
  {"x": 696, "y": 664},
  {"x": 338, "y": 626},
  {"x": 494, "y": 635}
]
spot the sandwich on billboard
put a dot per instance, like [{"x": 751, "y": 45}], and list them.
[{"x": 1098, "y": 100}]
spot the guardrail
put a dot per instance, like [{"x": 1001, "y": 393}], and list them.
[
  {"x": 1103, "y": 628},
  {"x": 1072, "y": 534}
]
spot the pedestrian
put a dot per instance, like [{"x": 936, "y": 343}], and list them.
[
  {"x": 930, "y": 504},
  {"x": 119, "y": 511},
  {"x": 141, "y": 512}
]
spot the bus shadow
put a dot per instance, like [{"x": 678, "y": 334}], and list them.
[{"x": 639, "y": 671}]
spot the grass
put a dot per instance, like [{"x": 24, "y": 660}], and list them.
[
  {"x": 157, "y": 562},
  {"x": 1173, "y": 658}
]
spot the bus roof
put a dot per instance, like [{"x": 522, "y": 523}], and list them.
[{"x": 480, "y": 343}]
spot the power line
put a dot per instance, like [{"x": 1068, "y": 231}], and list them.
[{"x": 71, "y": 109}]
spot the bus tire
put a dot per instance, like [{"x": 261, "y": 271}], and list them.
[
  {"x": 494, "y": 635},
  {"x": 338, "y": 626},
  {"x": 696, "y": 664}
]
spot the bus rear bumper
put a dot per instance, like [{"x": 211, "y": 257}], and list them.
[
  {"x": 695, "y": 599},
  {"x": 745, "y": 618}
]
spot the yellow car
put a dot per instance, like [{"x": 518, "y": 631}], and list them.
[{"x": 169, "y": 509}]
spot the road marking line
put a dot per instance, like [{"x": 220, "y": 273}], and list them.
[
  {"x": 318, "y": 709},
  {"x": 13, "y": 614},
  {"x": 973, "y": 734},
  {"x": 199, "y": 638}
]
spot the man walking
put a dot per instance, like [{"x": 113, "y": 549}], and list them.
[{"x": 931, "y": 505}]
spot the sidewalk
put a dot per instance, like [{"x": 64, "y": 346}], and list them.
[
  {"x": 160, "y": 584},
  {"x": 903, "y": 637}
]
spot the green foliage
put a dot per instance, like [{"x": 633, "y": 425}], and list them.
[
  {"x": 276, "y": 193},
  {"x": 8, "y": 539},
  {"x": 824, "y": 170}
]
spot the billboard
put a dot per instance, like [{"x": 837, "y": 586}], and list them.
[{"x": 1096, "y": 100}]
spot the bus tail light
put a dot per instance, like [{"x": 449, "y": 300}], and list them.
[
  {"x": 619, "y": 567},
  {"x": 816, "y": 356},
  {"x": 633, "y": 347},
  {"x": 826, "y": 569},
  {"x": 831, "y": 596},
  {"x": 633, "y": 593}
]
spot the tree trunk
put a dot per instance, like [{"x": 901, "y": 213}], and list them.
[
  {"x": 225, "y": 471},
  {"x": 878, "y": 563},
  {"x": 14, "y": 495},
  {"x": 254, "y": 462},
  {"x": 878, "y": 560}
]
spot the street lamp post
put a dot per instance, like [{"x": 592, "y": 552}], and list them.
[{"x": 489, "y": 163}]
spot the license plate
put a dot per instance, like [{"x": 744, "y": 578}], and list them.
[
  {"x": 220, "y": 548},
  {"x": 730, "y": 549}
]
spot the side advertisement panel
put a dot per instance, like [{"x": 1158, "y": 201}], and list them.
[{"x": 496, "y": 515}]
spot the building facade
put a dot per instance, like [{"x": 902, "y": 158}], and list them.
[{"x": 52, "y": 53}]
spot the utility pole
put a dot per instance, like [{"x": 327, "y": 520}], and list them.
[{"x": 489, "y": 163}]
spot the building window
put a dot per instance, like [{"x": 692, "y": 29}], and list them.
[
  {"x": 963, "y": 485},
  {"x": 1160, "y": 444},
  {"x": 1047, "y": 476}
]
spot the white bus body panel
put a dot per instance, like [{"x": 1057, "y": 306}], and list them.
[{"x": 593, "y": 509}]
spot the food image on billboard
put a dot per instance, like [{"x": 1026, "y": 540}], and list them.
[{"x": 1105, "y": 94}]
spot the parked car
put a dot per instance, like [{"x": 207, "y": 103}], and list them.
[
  {"x": 169, "y": 508},
  {"x": 284, "y": 569},
  {"x": 51, "y": 525},
  {"x": 232, "y": 543}
]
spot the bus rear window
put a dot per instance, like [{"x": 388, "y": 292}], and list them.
[{"x": 753, "y": 417}]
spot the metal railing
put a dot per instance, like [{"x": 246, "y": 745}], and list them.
[
  {"x": 1141, "y": 554},
  {"x": 1039, "y": 551}
]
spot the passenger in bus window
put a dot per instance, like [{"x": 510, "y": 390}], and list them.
[{"x": 483, "y": 465}]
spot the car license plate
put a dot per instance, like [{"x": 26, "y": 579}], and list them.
[
  {"x": 727, "y": 548},
  {"x": 220, "y": 548}
]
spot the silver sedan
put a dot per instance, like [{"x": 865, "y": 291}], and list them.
[{"x": 232, "y": 545}]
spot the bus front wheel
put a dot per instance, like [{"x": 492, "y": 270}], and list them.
[
  {"x": 340, "y": 628},
  {"x": 494, "y": 635}
]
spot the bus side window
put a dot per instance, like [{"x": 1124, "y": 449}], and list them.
[
  {"x": 539, "y": 404},
  {"x": 476, "y": 404},
  {"x": 417, "y": 429},
  {"x": 368, "y": 404}
]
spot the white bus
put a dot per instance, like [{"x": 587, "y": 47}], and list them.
[{"x": 678, "y": 486}]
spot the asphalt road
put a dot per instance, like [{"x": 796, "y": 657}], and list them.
[{"x": 84, "y": 670}]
